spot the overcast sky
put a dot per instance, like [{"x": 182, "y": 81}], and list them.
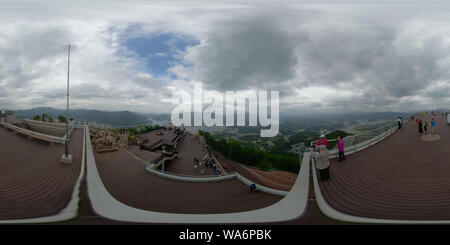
[{"x": 338, "y": 57}]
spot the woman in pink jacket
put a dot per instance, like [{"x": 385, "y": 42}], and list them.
[{"x": 341, "y": 149}]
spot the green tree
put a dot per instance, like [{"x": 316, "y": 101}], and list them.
[
  {"x": 37, "y": 117},
  {"x": 62, "y": 119},
  {"x": 252, "y": 156}
]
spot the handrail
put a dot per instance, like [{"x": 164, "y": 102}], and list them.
[
  {"x": 162, "y": 161},
  {"x": 46, "y": 124},
  {"x": 207, "y": 178},
  {"x": 368, "y": 132},
  {"x": 356, "y": 135},
  {"x": 187, "y": 177},
  {"x": 218, "y": 164},
  {"x": 46, "y": 137},
  {"x": 363, "y": 145}
]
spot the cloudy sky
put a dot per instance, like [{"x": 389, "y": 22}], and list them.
[{"x": 328, "y": 56}]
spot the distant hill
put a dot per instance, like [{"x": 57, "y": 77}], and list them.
[{"x": 112, "y": 118}]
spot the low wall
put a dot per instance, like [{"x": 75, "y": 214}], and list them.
[
  {"x": 54, "y": 129},
  {"x": 187, "y": 178},
  {"x": 36, "y": 135},
  {"x": 239, "y": 177}
]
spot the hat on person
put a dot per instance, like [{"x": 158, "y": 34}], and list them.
[{"x": 322, "y": 136}]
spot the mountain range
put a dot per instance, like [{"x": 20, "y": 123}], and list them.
[{"x": 111, "y": 118}]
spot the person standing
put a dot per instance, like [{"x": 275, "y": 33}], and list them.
[
  {"x": 425, "y": 127},
  {"x": 420, "y": 127},
  {"x": 322, "y": 141},
  {"x": 433, "y": 125},
  {"x": 322, "y": 161},
  {"x": 341, "y": 149}
]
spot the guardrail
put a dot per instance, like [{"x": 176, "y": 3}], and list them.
[
  {"x": 197, "y": 179},
  {"x": 152, "y": 169},
  {"x": 36, "y": 135},
  {"x": 177, "y": 138},
  {"x": 161, "y": 160},
  {"x": 363, "y": 145},
  {"x": 218, "y": 164},
  {"x": 188, "y": 178}
]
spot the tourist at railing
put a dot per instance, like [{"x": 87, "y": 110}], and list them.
[
  {"x": 341, "y": 149},
  {"x": 322, "y": 141},
  {"x": 425, "y": 127},
  {"x": 322, "y": 161}
]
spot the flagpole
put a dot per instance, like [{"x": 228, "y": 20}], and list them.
[{"x": 67, "y": 158}]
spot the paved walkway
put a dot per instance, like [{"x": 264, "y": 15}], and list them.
[
  {"x": 402, "y": 177},
  {"x": 189, "y": 149},
  {"x": 33, "y": 183}
]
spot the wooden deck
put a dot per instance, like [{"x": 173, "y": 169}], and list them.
[
  {"x": 33, "y": 183},
  {"x": 401, "y": 177}
]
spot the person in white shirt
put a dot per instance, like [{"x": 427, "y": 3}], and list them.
[{"x": 322, "y": 161}]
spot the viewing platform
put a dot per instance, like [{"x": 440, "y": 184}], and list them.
[{"x": 400, "y": 178}]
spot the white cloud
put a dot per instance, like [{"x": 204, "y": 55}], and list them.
[{"x": 334, "y": 57}]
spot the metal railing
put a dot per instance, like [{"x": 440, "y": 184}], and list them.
[
  {"x": 41, "y": 136},
  {"x": 369, "y": 142}
]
